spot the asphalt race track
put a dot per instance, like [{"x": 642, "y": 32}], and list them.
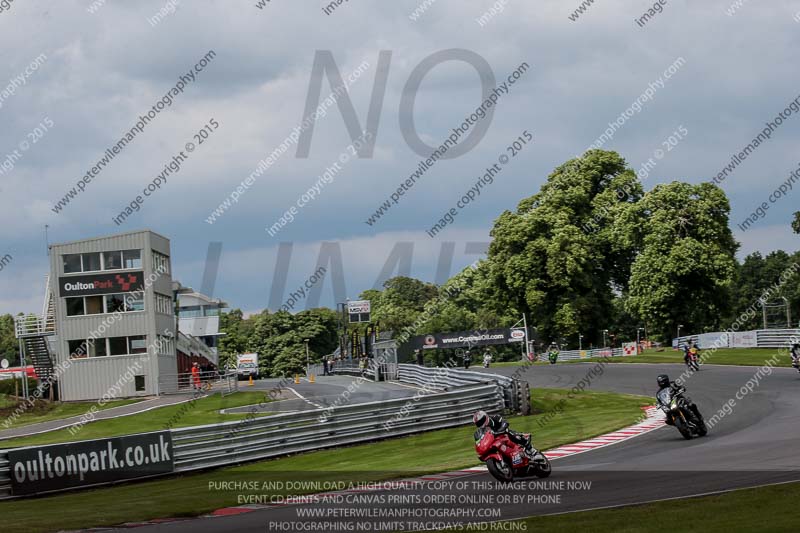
[
  {"x": 325, "y": 392},
  {"x": 755, "y": 444}
]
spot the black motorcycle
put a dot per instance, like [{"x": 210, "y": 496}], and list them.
[{"x": 681, "y": 413}]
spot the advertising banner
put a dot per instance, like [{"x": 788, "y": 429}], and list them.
[
  {"x": 358, "y": 311},
  {"x": 744, "y": 339},
  {"x": 712, "y": 340},
  {"x": 629, "y": 348},
  {"x": 100, "y": 284},
  {"x": 77, "y": 464},
  {"x": 468, "y": 339}
]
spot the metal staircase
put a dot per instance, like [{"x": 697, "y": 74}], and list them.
[
  {"x": 32, "y": 331},
  {"x": 38, "y": 354}
]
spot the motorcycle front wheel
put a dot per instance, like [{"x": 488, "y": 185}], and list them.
[
  {"x": 543, "y": 469},
  {"x": 683, "y": 428},
  {"x": 500, "y": 470}
]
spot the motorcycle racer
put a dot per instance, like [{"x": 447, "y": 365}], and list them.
[
  {"x": 679, "y": 390},
  {"x": 498, "y": 425}
]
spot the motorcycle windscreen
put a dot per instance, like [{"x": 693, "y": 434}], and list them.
[{"x": 664, "y": 396}]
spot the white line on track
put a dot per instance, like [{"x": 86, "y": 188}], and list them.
[{"x": 318, "y": 406}]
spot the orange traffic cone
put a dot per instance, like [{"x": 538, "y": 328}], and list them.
[
  {"x": 250, "y": 382},
  {"x": 311, "y": 378},
  {"x": 296, "y": 379}
]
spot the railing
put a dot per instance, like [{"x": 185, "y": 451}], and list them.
[
  {"x": 444, "y": 378},
  {"x": 188, "y": 345},
  {"x": 265, "y": 437},
  {"x": 571, "y": 355},
  {"x": 759, "y": 338},
  {"x": 34, "y": 326},
  {"x": 210, "y": 381}
]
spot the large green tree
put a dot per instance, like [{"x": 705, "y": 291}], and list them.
[
  {"x": 755, "y": 275},
  {"x": 561, "y": 256},
  {"x": 400, "y": 302},
  {"x": 9, "y": 347},
  {"x": 279, "y": 338},
  {"x": 685, "y": 266}
]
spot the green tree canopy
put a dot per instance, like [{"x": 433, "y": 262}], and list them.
[
  {"x": 685, "y": 266},
  {"x": 561, "y": 256}
]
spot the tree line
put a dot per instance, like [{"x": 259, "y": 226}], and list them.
[{"x": 590, "y": 251}]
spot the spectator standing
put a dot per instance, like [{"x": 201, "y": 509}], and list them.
[{"x": 196, "y": 376}]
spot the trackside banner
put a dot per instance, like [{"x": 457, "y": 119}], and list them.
[
  {"x": 77, "y": 464},
  {"x": 468, "y": 339}
]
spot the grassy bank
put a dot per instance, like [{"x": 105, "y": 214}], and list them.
[
  {"x": 732, "y": 511},
  {"x": 202, "y": 411},
  {"x": 723, "y": 356},
  {"x": 44, "y": 411},
  {"x": 586, "y": 415}
]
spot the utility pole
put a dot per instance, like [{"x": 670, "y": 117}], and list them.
[
  {"x": 525, "y": 343},
  {"x": 308, "y": 362}
]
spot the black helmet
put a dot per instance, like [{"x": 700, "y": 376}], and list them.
[
  {"x": 480, "y": 418},
  {"x": 663, "y": 380}
]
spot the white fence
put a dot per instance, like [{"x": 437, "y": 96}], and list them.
[
  {"x": 760, "y": 338},
  {"x": 571, "y": 355}
]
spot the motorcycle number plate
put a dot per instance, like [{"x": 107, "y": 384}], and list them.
[{"x": 517, "y": 459}]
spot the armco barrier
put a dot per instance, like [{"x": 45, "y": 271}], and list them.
[
  {"x": 764, "y": 338},
  {"x": 228, "y": 443},
  {"x": 444, "y": 378},
  {"x": 261, "y": 438},
  {"x": 573, "y": 355}
]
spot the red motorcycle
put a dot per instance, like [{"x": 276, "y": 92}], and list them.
[{"x": 506, "y": 459}]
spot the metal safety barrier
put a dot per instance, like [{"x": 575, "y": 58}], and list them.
[
  {"x": 758, "y": 338},
  {"x": 265, "y": 437},
  {"x": 258, "y": 438},
  {"x": 445, "y": 378}
]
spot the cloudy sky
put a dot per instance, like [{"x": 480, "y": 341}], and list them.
[{"x": 100, "y": 65}]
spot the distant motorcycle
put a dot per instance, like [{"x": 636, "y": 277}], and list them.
[
  {"x": 553, "y": 357},
  {"x": 487, "y": 360},
  {"x": 506, "y": 459},
  {"x": 680, "y": 414},
  {"x": 693, "y": 361}
]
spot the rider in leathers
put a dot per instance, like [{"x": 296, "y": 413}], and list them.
[
  {"x": 664, "y": 382},
  {"x": 795, "y": 353},
  {"x": 498, "y": 425}
]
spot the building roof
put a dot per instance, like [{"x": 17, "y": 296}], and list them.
[
  {"x": 107, "y": 237},
  {"x": 189, "y": 292}
]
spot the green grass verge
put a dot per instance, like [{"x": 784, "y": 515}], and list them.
[
  {"x": 723, "y": 356},
  {"x": 203, "y": 411},
  {"x": 586, "y": 415},
  {"x": 45, "y": 411},
  {"x": 775, "y": 511}
]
